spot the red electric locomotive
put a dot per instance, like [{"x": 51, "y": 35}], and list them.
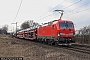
[{"x": 57, "y": 31}]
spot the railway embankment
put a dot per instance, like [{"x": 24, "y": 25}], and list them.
[{"x": 29, "y": 50}]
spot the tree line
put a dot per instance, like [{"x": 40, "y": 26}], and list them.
[
  {"x": 28, "y": 24},
  {"x": 4, "y": 29},
  {"x": 83, "y": 35}
]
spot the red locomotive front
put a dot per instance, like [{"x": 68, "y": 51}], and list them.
[{"x": 66, "y": 31}]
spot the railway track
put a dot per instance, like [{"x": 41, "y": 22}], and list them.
[
  {"x": 81, "y": 48},
  {"x": 78, "y": 49},
  {"x": 72, "y": 51}
]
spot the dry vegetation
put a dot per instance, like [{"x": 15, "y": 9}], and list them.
[
  {"x": 83, "y": 35},
  {"x": 12, "y": 47}
]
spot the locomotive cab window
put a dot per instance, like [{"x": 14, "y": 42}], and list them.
[
  {"x": 66, "y": 26},
  {"x": 70, "y": 26},
  {"x": 62, "y": 26}
]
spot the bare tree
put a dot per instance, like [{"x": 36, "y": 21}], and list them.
[
  {"x": 83, "y": 35},
  {"x": 28, "y": 24},
  {"x": 5, "y": 27},
  {"x": 25, "y": 25}
]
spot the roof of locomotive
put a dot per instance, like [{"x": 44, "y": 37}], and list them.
[
  {"x": 62, "y": 21},
  {"x": 69, "y": 21},
  {"x": 56, "y": 21}
]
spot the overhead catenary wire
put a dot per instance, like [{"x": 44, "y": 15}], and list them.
[
  {"x": 72, "y": 4},
  {"x": 18, "y": 10},
  {"x": 72, "y": 12},
  {"x": 46, "y": 12},
  {"x": 46, "y": 16},
  {"x": 50, "y": 10},
  {"x": 63, "y": 8},
  {"x": 78, "y": 12},
  {"x": 77, "y": 8},
  {"x": 17, "y": 15}
]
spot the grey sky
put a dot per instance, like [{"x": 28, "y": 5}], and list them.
[{"x": 38, "y": 10}]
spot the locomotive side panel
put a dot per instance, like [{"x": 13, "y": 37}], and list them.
[
  {"x": 48, "y": 31},
  {"x": 40, "y": 32}
]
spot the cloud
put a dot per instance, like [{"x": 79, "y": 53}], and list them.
[{"x": 42, "y": 11}]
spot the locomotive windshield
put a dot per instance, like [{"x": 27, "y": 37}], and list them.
[{"x": 66, "y": 26}]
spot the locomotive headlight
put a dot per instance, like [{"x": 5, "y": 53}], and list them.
[
  {"x": 58, "y": 33},
  {"x": 61, "y": 34}
]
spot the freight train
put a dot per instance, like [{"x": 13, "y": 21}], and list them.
[{"x": 58, "y": 32}]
